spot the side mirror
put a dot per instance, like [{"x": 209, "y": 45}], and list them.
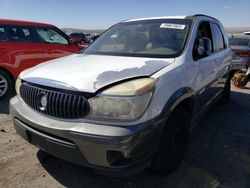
[{"x": 204, "y": 47}]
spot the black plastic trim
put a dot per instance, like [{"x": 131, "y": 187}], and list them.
[
  {"x": 46, "y": 134},
  {"x": 176, "y": 98}
]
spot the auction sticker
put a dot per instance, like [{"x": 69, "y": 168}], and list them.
[{"x": 172, "y": 26}]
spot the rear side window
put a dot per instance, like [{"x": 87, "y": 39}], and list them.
[
  {"x": 3, "y": 36},
  {"x": 218, "y": 38},
  {"x": 48, "y": 35},
  {"x": 18, "y": 34}
]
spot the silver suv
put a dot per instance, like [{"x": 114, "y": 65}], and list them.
[{"x": 131, "y": 98}]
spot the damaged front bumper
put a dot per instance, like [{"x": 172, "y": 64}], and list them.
[{"x": 126, "y": 149}]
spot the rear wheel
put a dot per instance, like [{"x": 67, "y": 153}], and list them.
[
  {"x": 173, "y": 142},
  {"x": 5, "y": 84}
]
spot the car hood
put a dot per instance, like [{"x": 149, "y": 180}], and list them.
[{"x": 89, "y": 73}]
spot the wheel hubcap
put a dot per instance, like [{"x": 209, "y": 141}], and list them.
[
  {"x": 3, "y": 86},
  {"x": 175, "y": 140}
]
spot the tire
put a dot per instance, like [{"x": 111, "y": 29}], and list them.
[
  {"x": 173, "y": 143},
  {"x": 225, "y": 96},
  {"x": 231, "y": 74},
  {"x": 5, "y": 84}
]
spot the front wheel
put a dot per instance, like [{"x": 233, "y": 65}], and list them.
[
  {"x": 5, "y": 84},
  {"x": 173, "y": 143}
]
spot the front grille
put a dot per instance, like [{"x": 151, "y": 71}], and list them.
[{"x": 54, "y": 103}]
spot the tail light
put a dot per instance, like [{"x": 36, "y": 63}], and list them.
[{"x": 243, "y": 54}]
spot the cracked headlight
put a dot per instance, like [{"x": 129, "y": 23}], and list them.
[{"x": 125, "y": 101}]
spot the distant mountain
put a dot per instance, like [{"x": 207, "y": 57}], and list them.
[
  {"x": 237, "y": 29},
  {"x": 75, "y": 30}
]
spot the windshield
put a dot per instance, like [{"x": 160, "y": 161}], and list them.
[
  {"x": 147, "y": 38},
  {"x": 239, "y": 41}
]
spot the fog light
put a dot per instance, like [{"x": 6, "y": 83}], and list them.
[{"x": 116, "y": 158}]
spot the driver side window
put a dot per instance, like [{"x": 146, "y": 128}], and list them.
[{"x": 204, "y": 31}]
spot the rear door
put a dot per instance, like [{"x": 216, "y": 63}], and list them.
[
  {"x": 19, "y": 49},
  {"x": 54, "y": 42}
]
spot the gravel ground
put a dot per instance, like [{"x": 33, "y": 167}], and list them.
[{"x": 218, "y": 155}]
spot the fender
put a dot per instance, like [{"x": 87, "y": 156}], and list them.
[{"x": 176, "y": 98}]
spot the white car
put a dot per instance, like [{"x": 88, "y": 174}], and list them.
[
  {"x": 246, "y": 33},
  {"x": 131, "y": 98}
]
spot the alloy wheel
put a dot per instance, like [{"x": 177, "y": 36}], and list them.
[{"x": 3, "y": 86}]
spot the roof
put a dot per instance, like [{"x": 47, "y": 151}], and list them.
[
  {"x": 203, "y": 15},
  {"x": 19, "y": 22},
  {"x": 170, "y": 17},
  {"x": 156, "y": 18}
]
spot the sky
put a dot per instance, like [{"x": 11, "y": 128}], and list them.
[{"x": 101, "y": 14}]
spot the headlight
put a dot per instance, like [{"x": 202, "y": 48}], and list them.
[
  {"x": 126, "y": 101},
  {"x": 19, "y": 82},
  {"x": 18, "y": 85}
]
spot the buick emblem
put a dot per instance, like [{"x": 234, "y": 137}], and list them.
[{"x": 42, "y": 101}]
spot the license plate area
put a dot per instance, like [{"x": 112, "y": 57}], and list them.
[
  {"x": 32, "y": 138},
  {"x": 37, "y": 140}
]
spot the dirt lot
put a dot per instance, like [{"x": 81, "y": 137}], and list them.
[{"x": 218, "y": 156}]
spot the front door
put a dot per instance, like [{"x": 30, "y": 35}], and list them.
[
  {"x": 54, "y": 43},
  {"x": 206, "y": 69}
]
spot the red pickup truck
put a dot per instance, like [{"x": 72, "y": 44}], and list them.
[{"x": 25, "y": 44}]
